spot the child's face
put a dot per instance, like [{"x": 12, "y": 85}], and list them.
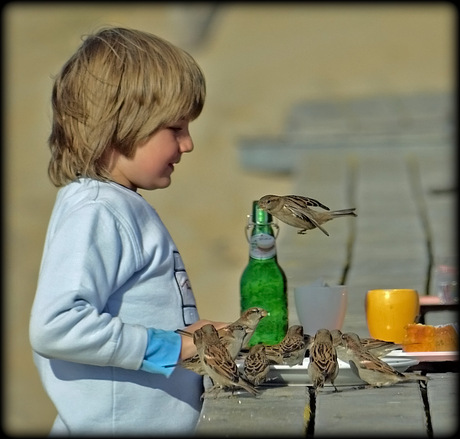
[{"x": 153, "y": 162}]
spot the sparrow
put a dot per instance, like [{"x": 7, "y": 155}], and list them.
[
  {"x": 378, "y": 347},
  {"x": 217, "y": 362},
  {"x": 249, "y": 319},
  {"x": 236, "y": 335},
  {"x": 323, "y": 365},
  {"x": 291, "y": 349},
  {"x": 371, "y": 369},
  {"x": 297, "y": 211},
  {"x": 192, "y": 363},
  {"x": 256, "y": 365},
  {"x": 231, "y": 338}
]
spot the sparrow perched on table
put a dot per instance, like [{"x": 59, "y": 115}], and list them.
[
  {"x": 371, "y": 369},
  {"x": 378, "y": 347},
  {"x": 291, "y": 349},
  {"x": 249, "y": 319},
  {"x": 256, "y": 365},
  {"x": 217, "y": 362},
  {"x": 231, "y": 337},
  {"x": 236, "y": 335},
  {"x": 323, "y": 365},
  {"x": 297, "y": 211}
]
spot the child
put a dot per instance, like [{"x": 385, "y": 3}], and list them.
[{"x": 112, "y": 286}]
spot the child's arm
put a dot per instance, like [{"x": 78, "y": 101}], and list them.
[{"x": 165, "y": 348}]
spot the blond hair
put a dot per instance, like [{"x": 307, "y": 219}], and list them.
[{"x": 119, "y": 87}]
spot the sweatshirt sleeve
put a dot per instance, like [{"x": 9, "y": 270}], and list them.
[
  {"x": 88, "y": 257},
  {"x": 163, "y": 350}
]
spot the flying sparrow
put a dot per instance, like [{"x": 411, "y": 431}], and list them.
[
  {"x": 291, "y": 349},
  {"x": 256, "y": 365},
  {"x": 371, "y": 369},
  {"x": 217, "y": 362},
  {"x": 297, "y": 211},
  {"x": 323, "y": 365}
]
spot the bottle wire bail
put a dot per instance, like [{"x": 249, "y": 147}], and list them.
[{"x": 251, "y": 224}]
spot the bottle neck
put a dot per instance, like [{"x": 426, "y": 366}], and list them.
[
  {"x": 262, "y": 242},
  {"x": 262, "y": 245}
]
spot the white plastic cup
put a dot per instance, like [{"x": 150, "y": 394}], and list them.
[{"x": 321, "y": 306}]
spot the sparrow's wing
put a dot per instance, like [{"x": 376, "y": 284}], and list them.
[
  {"x": 354, "y": 368},
  {"x": 303, "y": 214},
  {"x": 256, "y": 363},
  {"x": 304, "y": 202},
  {"x": 222, "y": 364},
  {"x": 325, "y": 357},
  {"x": 367, "y": 360}
]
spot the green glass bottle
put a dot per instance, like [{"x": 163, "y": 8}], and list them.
[{"x": 263, "y": 282}]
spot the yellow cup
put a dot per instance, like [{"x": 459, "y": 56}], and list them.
[{"x": 388, "y": 311}]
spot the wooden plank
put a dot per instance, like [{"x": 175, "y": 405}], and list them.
[
  {"x": 373, "y": 115},
  {"x": 443, "y": 403},
  {"x": 281, "y": 154},
  {"x": 387, "y": 121},
  {"x": 277, "y": 411},
  {"x": 434, "y": 175},
  {"x": 389, "y": 250},
  {"x": 437, "y": 173},
  {"x": 388, "y": 411}
]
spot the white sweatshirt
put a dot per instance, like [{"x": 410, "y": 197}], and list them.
[{"x": 110, "y": 270}]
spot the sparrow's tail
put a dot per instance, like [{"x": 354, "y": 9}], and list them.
[
  {"x": 344, "y": 212},
  {"x": 412, "y": 376},
  {"x": 247, "y": 386}
]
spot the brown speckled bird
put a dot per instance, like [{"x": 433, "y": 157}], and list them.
[
  {"x": 256, "y": 365},
  {"x": 234, "y": 336},
  {"x": 297, "y": 211},
  {"x": 371, "y": 369},
  {"x": 379, "y": 348},
  {"x": 217, "y": 362},
  {"x": 231, "y": 337},
  {"x": 291, "y": 350},
  {"x": 323, "y": 366}
]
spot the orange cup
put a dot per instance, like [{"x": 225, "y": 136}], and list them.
[{"x": 388, "y": 311}]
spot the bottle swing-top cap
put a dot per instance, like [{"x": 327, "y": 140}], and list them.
[{"x": 260, "y": 217}]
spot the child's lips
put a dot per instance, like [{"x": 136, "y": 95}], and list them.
[{"x": 172, "y": 164}]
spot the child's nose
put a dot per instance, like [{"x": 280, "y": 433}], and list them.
[{"x": 187, "y": 144}]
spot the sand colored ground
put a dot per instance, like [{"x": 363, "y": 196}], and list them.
[{"x": 259, "y": 61}]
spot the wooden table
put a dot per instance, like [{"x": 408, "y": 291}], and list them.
[{"x": 405, "y": 219}]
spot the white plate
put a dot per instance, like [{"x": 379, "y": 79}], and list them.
[
  {"x": 298, "y": 376},
  {"x": 426, "y": 356}
]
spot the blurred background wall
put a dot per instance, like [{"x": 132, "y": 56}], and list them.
[{"x": 259, "y": 61}]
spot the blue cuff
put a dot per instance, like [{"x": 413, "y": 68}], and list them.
[{"x": 163, "y": 349}]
